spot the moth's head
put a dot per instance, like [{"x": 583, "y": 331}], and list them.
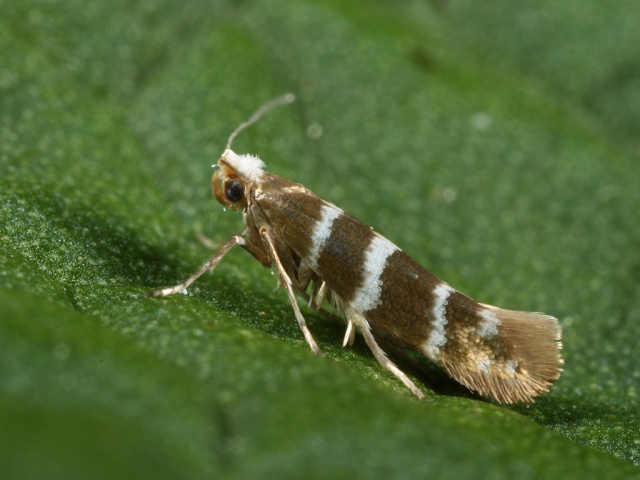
[{"x": 232, "y": 182}]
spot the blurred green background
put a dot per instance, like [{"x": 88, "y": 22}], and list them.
[{"x": 496, "y": 142}]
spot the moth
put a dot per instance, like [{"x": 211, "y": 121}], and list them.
[{"x": 324, "y": 255}]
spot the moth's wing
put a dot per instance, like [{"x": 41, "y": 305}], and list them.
[
  {"x": 509, "y": 356},
  {"x": 506, "y": 355}
]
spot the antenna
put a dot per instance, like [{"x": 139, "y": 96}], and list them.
[{"x": 284, "y": 99}]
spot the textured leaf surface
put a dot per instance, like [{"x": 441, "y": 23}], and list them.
[{"x": 495, "y": 142}]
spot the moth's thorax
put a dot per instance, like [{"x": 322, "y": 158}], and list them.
[
  {"x": 269, "y": 198},
  {"x": 271, "y": 187}
]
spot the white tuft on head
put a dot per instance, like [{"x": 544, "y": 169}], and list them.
[{"x": 249, "y": 167}]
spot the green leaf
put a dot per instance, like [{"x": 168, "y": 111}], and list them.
[{"x": 495, "y": 142}]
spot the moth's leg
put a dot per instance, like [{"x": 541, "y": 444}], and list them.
[
  {"x": 321, "y": 295},
  {"x": 385, "y": 362},
  {"x": 358, "y": 319},
  {"x": 210, "y": 265},
  {"x": 349, "y": 335},
  {"x": 254, "y": 250},
  {"x": 286, "y": 283},
  {"x": 318, "y": 298},
  {"x": 257, "y": 252}
]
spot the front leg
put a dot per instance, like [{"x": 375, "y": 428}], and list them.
[
  {"x": 210, "y": 265},
  {"x": 285, "y": 281},
  {"x": 257, "y": 252}
]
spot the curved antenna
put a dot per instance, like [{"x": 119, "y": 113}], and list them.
[{"x": 284, "y": 99}]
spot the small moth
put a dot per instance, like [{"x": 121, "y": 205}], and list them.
[{"x": 323, "y": 254}]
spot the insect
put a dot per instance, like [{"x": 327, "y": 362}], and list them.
[{"x": 325, "y": 255}]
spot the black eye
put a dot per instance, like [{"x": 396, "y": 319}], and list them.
[{"x": 234, "y": 190}]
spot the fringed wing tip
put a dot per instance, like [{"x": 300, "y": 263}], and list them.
[{"x": 529, "y": 368}]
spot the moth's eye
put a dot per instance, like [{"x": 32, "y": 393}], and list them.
[{"x": 234, "y": 190}]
